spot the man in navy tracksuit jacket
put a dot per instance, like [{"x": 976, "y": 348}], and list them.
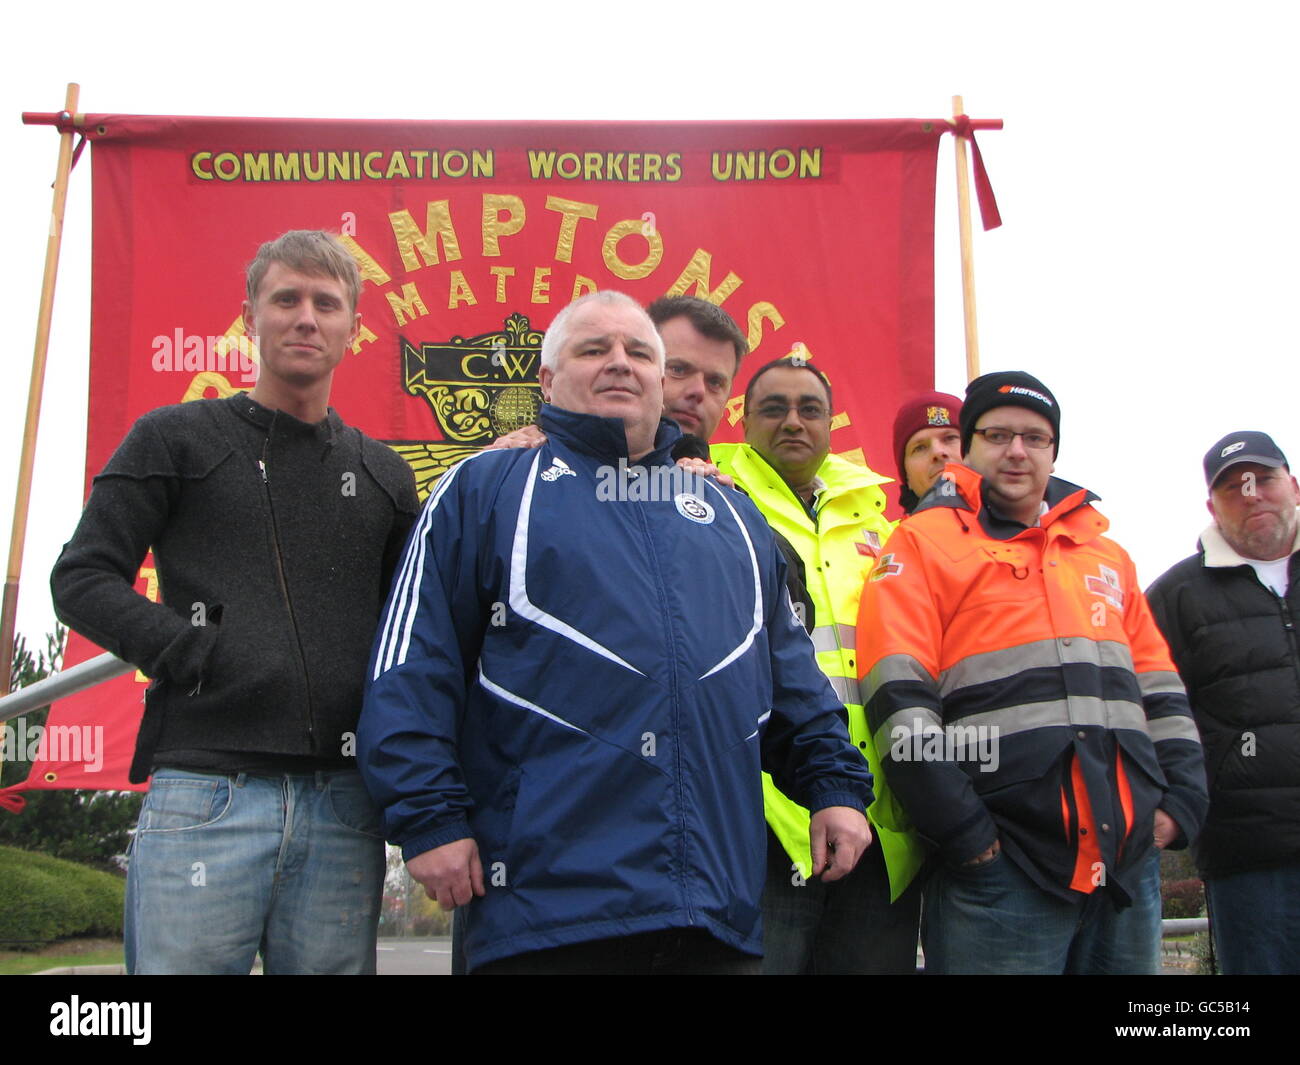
[{"x": 586, "y": 657}]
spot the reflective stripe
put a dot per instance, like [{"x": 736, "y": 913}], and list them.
[
  {"x": 1160, "y": 682},
  {"x": 1008, "y": 661},
  {"x": 906, "y": 675},
  {"x": 895, "y": 668},
  {"x": 835, "y": 637},
  {"x": 1076, "y": 711},
  {"x": 519, "y": 600},
  {"x": 900, "y": 726},
  {"x": 823, "y": 638},
  {"x": 519, "y": 700},
  {"x": 846, "y": 690},
  {"x": 1174, "y": 727}
]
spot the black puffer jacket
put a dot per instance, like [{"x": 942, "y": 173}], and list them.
[{"x": 1237, "y": 648}]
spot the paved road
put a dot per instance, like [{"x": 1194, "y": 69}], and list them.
[
  {"x": 412, "y": 957},
  {"x": 432, "y": 957},
  {"x": 415, "y": 957}
]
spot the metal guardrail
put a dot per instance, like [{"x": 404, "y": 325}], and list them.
[
  {"x": 62, "y": 684},
  {"x": 107, "y": 666}
]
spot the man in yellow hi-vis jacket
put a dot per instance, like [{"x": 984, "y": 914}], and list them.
[{"x": 832, "y": 511}]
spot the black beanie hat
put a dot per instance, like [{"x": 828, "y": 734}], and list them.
[{"x": 1008, "y": 388}]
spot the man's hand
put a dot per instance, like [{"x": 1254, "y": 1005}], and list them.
[
  {"x": 451, "y": 874},
  {"x": 704, "y": 468},
  {"x": 839, "y": 836},
  {"x": 1167, "y": 830},
  {"x": 528, "y": 436},
  {"x": 987, "y": 856}
]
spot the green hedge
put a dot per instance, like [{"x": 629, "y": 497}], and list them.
[
  {"x": 43, "y": 899},
  {"x": 1183, "y": 898}
]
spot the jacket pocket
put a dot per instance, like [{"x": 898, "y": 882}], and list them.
[
  {"x": 1147, "y": 786},
  {"x": 493, "y": 819}
]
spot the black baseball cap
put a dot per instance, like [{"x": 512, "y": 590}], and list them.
[{"x": 1242, "y": 447}]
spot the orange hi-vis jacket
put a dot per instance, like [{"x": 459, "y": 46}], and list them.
[{"x": 1017, "y": 689}]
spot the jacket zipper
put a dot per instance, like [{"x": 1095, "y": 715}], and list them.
[
  {"x": 1288, "y": 619},
  {"x": 284, "y": 587},
  {"x": 679, "y": 775},
  {"x": 1288, "y": 623}
]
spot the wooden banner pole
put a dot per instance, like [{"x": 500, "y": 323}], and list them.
[
  {"x": 8, "y": 618},
  {"x": 967, "y": 251}
]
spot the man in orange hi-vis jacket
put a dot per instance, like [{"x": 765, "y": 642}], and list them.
[{"x": 1025, "y": 708}]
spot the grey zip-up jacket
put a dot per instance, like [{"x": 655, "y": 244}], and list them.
[{"x": 274, "y": 542}]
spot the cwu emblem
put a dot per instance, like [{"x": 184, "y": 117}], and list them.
[{"x": 478, "y": 388}]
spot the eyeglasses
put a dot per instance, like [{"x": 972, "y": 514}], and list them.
[
  {"x": 808, "y": 412},
  {"x": 1003, "y": 437}
]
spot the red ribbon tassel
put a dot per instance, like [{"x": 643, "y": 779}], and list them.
[
  {"x": 13, "y": 803},
  {"x": 965, "y": 126}
]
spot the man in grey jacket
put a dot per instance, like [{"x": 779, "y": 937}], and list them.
[{"x": 275, "y": 529}]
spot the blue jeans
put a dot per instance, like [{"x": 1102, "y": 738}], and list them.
[
  {"x": 1255, "y": 920},
  {"x": 224, "y": 866},
  {"x": 846, "y": 927},
  {"x": 990, "y": 919}
]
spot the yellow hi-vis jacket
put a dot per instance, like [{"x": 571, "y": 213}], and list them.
[{"x": 838, "y": 551}]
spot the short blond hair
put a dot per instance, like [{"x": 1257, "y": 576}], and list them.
[{"x": 309, "y": 251}]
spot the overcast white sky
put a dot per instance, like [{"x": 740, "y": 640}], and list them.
[{"x": 1146, "y": 270}]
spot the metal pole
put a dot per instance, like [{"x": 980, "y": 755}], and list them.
[{"x": 62, "y": 684}]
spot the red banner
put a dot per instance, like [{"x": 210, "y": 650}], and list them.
[{"x": 817, "y": 237}]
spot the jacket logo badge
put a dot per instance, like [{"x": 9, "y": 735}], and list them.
[
  {"x": 559, "y": 468},
  {"x": 886, "y": 567},
  {"x": 693, "y": 508},
  {"x": 871, "y": 548},
  {"x": 1107, "y": 586}
]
